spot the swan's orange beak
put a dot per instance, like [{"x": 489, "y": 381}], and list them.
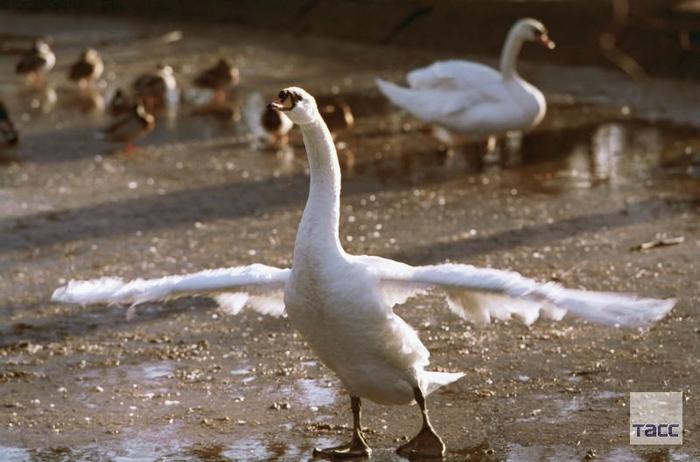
[
  {"x": 545, "y": 40},
  {"x": 279, "y": 104}
]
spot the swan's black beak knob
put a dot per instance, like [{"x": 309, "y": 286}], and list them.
[{"x": 279, "y": 105}]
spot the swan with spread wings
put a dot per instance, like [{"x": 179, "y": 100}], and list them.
[{"x": 342, "y": 304}]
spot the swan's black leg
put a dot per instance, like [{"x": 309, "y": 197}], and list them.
[
  {"x": 427, "y": 443},
  {"x": 357, "y": 447}
]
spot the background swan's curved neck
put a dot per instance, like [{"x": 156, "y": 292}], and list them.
[
  {"x": 320, "y": 222},
  {"x": 509, "y": 55}
]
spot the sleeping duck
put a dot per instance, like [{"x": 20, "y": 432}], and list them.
[
  {"x": 36, "y": 62},
  {"x": 156, "y": 89},
  {"x": 337, "y": 114},
  {"x": 87, "y": 69},
  {"x": 218, "y": 78}
]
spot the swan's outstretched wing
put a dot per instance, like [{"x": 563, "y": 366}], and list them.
[
  {"x": 480, "y": 294},
  {"x": 432, "y": 105},
  {"x": 452, "y": 75},
  {"x": 258, "y": 286}
]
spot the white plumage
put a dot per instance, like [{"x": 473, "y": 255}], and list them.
[
  {"x": 342, "y": 304},
  {"x": 474, "y": 100}
]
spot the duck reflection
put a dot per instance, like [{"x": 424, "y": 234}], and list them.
[
  {"x": 40, "y": 99},
  {"x": 90, "y": 100}
]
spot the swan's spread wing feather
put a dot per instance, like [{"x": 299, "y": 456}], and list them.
[
  {"x": 270, "y": 302},
  {"x": 481, "y": 294},
  {"x": 392, "y": 292},
  {"x": 452, "y": 75},
  {"x": 431, "y": 105},
  {"x": 258, "y": 286}
]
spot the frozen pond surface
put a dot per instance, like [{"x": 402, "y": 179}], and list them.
[{"x": 180, "y": 381}]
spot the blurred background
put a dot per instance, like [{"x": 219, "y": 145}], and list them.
[{"x": 660, "y": 36}]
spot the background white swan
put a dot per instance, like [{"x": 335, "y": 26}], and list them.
[
  {"x": 472, "y": 99},
  {"x": 343, "y": 304}
]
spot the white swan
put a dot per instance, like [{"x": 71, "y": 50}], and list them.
[
  {"x": 474, "y": 100},
  {"x": 342, "y": 304}
]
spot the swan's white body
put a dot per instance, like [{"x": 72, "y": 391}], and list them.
[
  {"x": 472, "y": 99},
  {"x": 342, "y": 304},
  {"x": 334, "y": 299}
]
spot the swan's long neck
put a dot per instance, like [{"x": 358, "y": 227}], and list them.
[
  {"x": 319, "y": 224},
  {"x": 509, "y": 55}
]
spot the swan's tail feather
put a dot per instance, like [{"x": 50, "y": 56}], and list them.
[
  {"x": 396, "y": 94},
  {"x": 431, "y": 381}
]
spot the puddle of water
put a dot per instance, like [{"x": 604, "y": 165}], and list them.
[
  {"x": 150, "y": 444},
  {"x": 147, "y": 375},
  {"x": 557, "y": 453},
  {"x": 606, "y": 394},
  {"x": 151, "y": 372},
  {"x": 241, "y": 371},
  {"x": 311, "y": 392},
  {"x": 555, "y": 409},
  {"x": 247, "y": 449},
  {"x": 146, "y": 445},
  {"x": 518, "y": 453},
  {"x": 8, "y": 454}
]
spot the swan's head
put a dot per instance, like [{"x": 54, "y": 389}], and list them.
[
  {"x": 297, "y": 104},
  {"x": 533, "y": 31}
]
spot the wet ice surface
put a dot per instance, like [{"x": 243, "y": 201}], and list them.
[{"x": 181, "y": 381}]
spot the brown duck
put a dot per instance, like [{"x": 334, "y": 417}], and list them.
[
  {"x": 337, "y": 115},
  {"x": 87, "y": 68},
  {"x": 277, "y": 126},
  {"x": 36, "y": 62},
  {"x": 156, "y": 88},
  {"x": 136, "y": 123},
  {"x": 218, "y": 78}
]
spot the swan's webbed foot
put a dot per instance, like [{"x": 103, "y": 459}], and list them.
[
  {"x": 426, "y": 444},
  {"x": 357, "y": 447}
]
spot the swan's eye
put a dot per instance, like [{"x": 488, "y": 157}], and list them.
[{"x": 297, "y": 97}]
